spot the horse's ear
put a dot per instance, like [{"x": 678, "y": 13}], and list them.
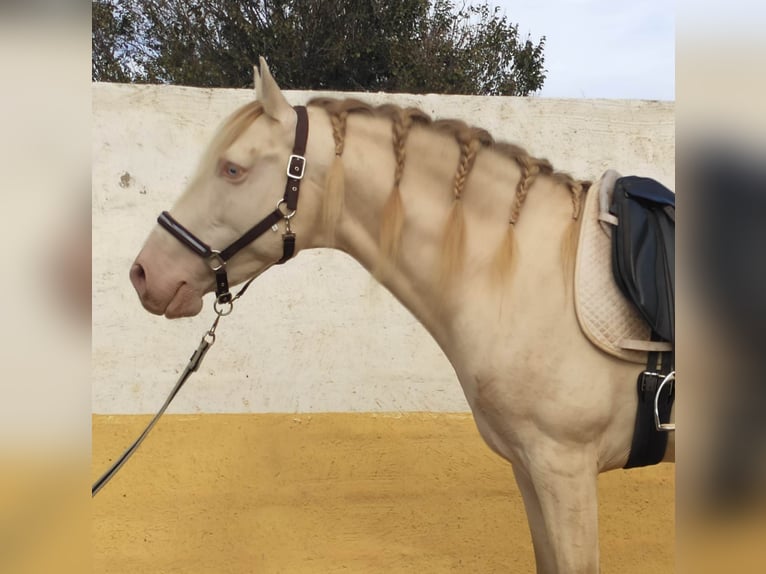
[{"x": 269, "y": 94}]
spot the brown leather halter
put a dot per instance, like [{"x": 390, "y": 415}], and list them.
[{"x": 285, "y": 210}]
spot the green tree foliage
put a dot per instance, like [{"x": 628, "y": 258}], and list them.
[{"x": 412, "y": 46}]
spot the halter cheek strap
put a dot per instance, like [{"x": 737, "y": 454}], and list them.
[{"x": 285, "y": 210}]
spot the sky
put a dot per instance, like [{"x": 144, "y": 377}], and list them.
[{"x": 601, "y": 48}]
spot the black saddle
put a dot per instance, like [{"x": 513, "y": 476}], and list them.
[{"x": 643, "y": 250}]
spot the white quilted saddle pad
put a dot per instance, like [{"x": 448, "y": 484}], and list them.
[{"x": 606, "y": 316}]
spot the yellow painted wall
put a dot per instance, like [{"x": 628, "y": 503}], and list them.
[{"x": 323, "y": 493}]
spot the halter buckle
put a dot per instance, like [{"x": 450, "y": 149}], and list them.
[{"x": 296, "y": 165}]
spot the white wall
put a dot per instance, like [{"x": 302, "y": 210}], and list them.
[{"x": 333, "y": 341}]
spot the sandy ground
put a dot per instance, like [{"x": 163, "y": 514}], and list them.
[{"x": 341, "y": 493}]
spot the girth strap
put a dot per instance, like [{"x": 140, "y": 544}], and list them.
[{"x": 649, "y": 443}]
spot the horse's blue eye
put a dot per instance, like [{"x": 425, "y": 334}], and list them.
[{"x": 232, "y": 171}]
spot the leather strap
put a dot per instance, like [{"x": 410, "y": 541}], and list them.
[
  {"x": 222, "y": 286},
  {"x": 639, "y": 345},
  {"x": 288, "y": 247},
  {"x": 184, "y": 235},
  {"x": 194, "y": 362},
  {"x": 297, "y": 163},
  {"x": 252, "y": 234}
]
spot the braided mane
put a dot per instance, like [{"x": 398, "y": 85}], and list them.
[{"x": 470, "y": 140}]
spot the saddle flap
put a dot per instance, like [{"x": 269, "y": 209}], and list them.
[{"x": 644, "y": 250}]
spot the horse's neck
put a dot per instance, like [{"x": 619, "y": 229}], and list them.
[{"x": 427, "y": 195}]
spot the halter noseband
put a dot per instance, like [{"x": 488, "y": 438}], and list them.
[{"x": 285, "y": 210}]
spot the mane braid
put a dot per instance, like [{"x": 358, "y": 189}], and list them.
[
  {"x": 453, "y": 246},
  {"x": 470, "y": 141},
  {"x": 392, "y": 218},
  {"x": 335, "y": 185}
]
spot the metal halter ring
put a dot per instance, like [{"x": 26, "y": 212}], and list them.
[
  {"x": 287, "y": 216},
  {"x": 215, "y": 261},
  {"x": 223, "y": 311}
]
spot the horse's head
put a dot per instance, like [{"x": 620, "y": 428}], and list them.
[{"x": 239, "y": 182}]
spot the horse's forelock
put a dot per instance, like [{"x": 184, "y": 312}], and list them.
[{"x": 229, "y": 131}]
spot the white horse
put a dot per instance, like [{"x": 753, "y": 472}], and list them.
[{"x": 475, "y": 238}]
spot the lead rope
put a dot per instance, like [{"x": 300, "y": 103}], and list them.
[{"x": 191, "y": 367}]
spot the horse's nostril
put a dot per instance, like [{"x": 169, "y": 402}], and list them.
[{"x": 138, "y": 277}]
